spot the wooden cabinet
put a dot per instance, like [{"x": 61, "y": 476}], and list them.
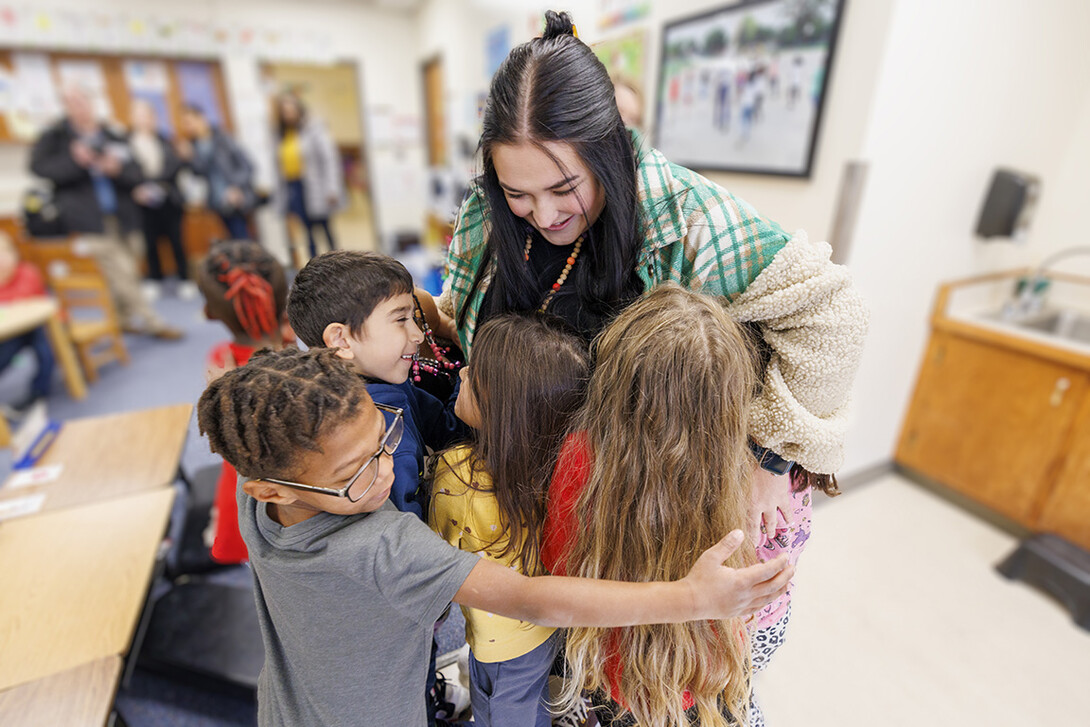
[
  {"x": 1067, "y": 509},
  {"x": 991, "y": 423},
  {"x": 1004, "y": 418}
]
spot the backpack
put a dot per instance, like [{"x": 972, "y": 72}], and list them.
[{"x": 41, "y": 216}]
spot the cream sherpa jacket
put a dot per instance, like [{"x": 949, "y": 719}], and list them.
[{"x": 814, "y": 322}]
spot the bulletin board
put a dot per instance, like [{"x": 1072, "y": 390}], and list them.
[{"x": 30, "y": 82}]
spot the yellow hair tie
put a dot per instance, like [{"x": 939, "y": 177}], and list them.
[{"x": 574, "y": 30}]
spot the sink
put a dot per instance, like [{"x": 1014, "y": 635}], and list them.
[{"x": 1067, "y": 324}]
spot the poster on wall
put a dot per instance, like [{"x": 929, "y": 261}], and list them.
[
  {"x": 88, "y": 76},
  {"x": 150, "y": 82},
  {"x": 614, "y": 13},
  {"x": 625, "y": 57},
  {"x": 497, "y": 44},
  {"x": 34, "y": 100},
  {"x": 197, "y": 88},
  {"x": 742, "y": 88}
]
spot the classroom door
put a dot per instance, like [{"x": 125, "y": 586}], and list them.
[
  {"x": 435, "y": 116},
  {"x": 331, "y": 93}
]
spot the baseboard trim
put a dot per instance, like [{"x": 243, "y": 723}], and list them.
[
  {"x": 866, "y": 475},
  {"x": 964, "y": 502}
]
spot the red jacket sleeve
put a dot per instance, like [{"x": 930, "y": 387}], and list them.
[
  {"x": 569, "y": 478},
  {"x": 26, "y": 282}
]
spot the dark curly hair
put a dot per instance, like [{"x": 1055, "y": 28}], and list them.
[{"x": 260, "y": 416}]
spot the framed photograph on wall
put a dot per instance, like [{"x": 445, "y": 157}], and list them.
[{"x": 742, "y": 88}]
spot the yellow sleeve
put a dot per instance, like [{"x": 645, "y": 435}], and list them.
[{"x": 448, "y": 502}]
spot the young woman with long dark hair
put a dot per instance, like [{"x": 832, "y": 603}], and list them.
[{"x": 572, "y": 214}]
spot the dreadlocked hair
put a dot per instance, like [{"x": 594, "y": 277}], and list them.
[
  {"x": 260, "y": 416},
  {"x": 242, "y": 277},
  {"x": 666, "y": 419}
]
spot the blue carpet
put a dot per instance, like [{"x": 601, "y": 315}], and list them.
[{"x": 163, "y": 373}]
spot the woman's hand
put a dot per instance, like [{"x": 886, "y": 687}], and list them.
[
  {"x": 770, "y": 505},
  {"x": 720, "y": 592},
  {"x": 440, "y": 323}
]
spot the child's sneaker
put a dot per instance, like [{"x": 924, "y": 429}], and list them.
[
  {"x": 451, "y": 698},
  {"x": 574, "y": 717}
]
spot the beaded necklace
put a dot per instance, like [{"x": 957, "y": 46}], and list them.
[
  {"x": 438, "y": 365},
  {"x": 563, "y": 273}
]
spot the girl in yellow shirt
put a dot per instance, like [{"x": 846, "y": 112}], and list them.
[{"x": 490, "y": 497}]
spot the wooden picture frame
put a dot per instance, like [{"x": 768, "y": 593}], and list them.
[{"x": 742, "y": 88}]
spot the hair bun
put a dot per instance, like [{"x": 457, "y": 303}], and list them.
[{"x": 557, "y": 24}]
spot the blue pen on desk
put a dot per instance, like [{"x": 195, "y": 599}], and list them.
[{"x": 41, "y": 445}]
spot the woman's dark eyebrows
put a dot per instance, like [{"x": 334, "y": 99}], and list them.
[{"x": 563, "y": 182}]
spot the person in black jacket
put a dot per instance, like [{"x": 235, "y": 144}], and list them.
[
  {"x": 218, "y": 158},
  {"x": 93, "y": 175},
  {"x": 157, "y": 194}
]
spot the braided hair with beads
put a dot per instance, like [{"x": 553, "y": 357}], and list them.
[
  {"x": 261, "y": 416},
  {"x": 245, "y": 287}
]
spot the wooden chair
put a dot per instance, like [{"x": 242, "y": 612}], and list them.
[{"x": 80, "y": 287}]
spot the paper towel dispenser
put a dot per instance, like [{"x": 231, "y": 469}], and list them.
[{"x": 1009, "y": 205}]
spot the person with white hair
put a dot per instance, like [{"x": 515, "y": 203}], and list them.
[{"x": 93, "y": 174}]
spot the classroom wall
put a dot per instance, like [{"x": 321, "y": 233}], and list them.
[
  {"x": 794, "y": 203},
  {"x": 380, "y": 40},
  {"x": 963, "y": 87}
]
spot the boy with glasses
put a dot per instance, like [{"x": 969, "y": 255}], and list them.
[
  {"x": 361, "y": 305},
  {"x": 348, "y": 588}
]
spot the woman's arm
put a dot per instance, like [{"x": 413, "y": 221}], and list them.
[
  {"x": 814, "y": 323},
  {"x": 710, "y": 591}
]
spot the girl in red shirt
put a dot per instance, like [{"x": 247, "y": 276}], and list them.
[{"x": 658, "y": 470}]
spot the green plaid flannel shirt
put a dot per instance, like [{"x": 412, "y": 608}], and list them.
[{"x": 698, "y": 235}]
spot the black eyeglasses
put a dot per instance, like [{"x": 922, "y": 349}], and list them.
[{"x": 364, "y": 479}]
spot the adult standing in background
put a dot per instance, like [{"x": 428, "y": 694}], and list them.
[
  {"x": 93, "y": 176},
  {"x": 157, "y": 194},
  {"x": 213, "y": 154},
  {"x": 310, "y": 168}
]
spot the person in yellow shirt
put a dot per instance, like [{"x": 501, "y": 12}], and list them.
[
  {"x": 489, "y": 497},
  {"x": 310, "y": 169}
]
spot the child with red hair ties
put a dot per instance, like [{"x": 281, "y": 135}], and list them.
[{"x": 244, "y": 287}]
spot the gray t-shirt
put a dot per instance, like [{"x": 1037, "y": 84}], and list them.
[{"x": 347, "y": 606}]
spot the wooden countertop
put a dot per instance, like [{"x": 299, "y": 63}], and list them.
[
  {"x": 75, "y": 581},
  {"x": 25, "y": 315},
  {"x": 112, "y": 456},
  {"x": 79, "y": 697},
  {"x": 1009, "y": 336}
]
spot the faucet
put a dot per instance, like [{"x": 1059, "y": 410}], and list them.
[{"x": 1029, "y": 296}]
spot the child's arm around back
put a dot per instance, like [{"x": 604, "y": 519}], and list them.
[{"x": 710, "y": 591}]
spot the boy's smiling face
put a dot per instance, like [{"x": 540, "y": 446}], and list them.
[{"x": 384, "y": 347}]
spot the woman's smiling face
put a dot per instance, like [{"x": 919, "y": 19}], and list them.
[{"x": 556, "y": 194}]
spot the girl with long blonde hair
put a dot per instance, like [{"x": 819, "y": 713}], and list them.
[{"x": 658, "y": 466}]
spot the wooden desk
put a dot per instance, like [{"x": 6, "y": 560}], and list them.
[
  {"x": 25, "y": 315},
  {"x": 75, "y": 583},
  {"x": 112, "y": 456},
  {"x": 79, "y": 697}
]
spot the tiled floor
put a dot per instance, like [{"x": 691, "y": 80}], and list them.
[{"x": 900, "y": 619}]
